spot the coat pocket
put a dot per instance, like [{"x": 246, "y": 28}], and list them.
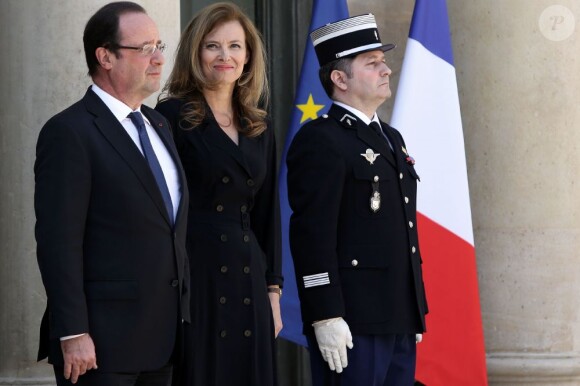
[{"x": 369, "y": 180}]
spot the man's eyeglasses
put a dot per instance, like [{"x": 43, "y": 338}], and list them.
[{"x": 146, "y": 50}]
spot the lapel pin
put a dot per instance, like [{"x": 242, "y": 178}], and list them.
[{"x": 370, "y": 156}]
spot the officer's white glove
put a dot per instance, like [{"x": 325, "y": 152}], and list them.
[
  {"x": 418, "y": 338},
  {"x": 333, "y": 337}
]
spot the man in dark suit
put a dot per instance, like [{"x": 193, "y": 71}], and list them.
[
  {"x": 110, "y": 201},
  {"x": 353, "y": 231}
]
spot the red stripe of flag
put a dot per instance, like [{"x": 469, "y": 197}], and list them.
[{"x": 450, "y": 353}]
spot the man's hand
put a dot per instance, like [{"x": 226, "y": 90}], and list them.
[
  {"x": 79, "y": 356},
  {"x": 333, "y": 337}
]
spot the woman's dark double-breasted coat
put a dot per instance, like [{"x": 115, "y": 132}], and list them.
[{"x": 234, "y": 249}]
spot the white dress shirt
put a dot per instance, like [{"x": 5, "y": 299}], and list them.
[{"x": 121, "y": 112}]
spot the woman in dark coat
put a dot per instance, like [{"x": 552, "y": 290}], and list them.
[{"x": 215, "y": 99}]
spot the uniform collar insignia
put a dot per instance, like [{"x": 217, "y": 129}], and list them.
[{"x": 349, "y": 119}]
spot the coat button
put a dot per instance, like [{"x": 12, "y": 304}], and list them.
[
  {"x": 223, "y": 269},
  {"x": 246, "y": 238},
  {"x": 410, "y": 224},
  {"x": 247, "y": 301},
  {"x": 400, "y": 176},
  {"x": 376, "y": 178},
  {"x": 354, "y": 262},
  {"x": 250, "y": 182},
  {"x": 243, "y": 208},
  {"x": 223, "y": 300},
  {"x": 413, "y": 249},
  {"x": 406, "y": 200},
  {"x": 174, "y": 283},
  {"x": 247, "y": 333},
  {"x": 223, "y": 333},
  {"x": 246, "y": 269},
  {"x": 219, "y": 208},
  {"x": 224, "y": 237},
  {"x": 225, "y": 179}
]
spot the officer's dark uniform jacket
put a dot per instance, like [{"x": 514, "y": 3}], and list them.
[{"x": 351, "y": 261}]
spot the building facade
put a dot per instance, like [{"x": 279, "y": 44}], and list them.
[{"x": 518, "y": 73}]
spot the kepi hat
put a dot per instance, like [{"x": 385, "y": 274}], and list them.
[{"x": 347, "y": 38}]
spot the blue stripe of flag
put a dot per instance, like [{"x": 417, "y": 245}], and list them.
[{"x": 430, "y": 27}]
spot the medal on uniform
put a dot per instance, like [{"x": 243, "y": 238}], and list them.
[
  {"x": 370, "y": 155},
  {"x": 375, "y": 200}
]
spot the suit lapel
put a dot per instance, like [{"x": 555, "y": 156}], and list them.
[
  {"x": 397, "y": 145},
  {"x": 216, "y": 137},
  {"x": 116, "y": 135}
]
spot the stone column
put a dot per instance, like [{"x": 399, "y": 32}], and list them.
[
  {"x": 518, "y": 77},
  {"x": 42, "y": 72}
]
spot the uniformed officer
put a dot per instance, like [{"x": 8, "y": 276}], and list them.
[{"x": 353, "y": 232}]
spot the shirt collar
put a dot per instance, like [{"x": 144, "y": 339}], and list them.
[
  {"x": 118, "y": 108},
  {"x": 359, "y": 114}
]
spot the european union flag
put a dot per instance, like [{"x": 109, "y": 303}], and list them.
[{"x": 310, "y": 102}]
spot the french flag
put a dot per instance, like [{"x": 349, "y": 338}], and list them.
[{"x": 427, "y": 113}]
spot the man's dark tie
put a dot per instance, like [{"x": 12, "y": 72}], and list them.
[
  {"x": 152, "y": 160},
  {"x": 377, "y": 129}
]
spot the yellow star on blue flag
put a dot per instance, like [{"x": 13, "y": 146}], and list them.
[{"x": 309, "y": 109}]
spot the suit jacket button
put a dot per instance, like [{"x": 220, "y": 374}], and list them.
[
  {"x": 223, "y": 333},
  {"x": 174, "y": 283},
  {"x": 223, "y": 269},
  {"x": 225, "y": 179},
  {"x": 250, "y": 182},
  {"x": 246, "y": 238},
  {"x": 247, "y": 301},
  {"x": 246, "y": 269},
  {"x": 247, "y": 333},
  {"x": 354, "y": 262},
  {"x": 224, "y": 237},
  {"x": 243, "y": 208},
  {"x": 223, "y": 300},
  {"x": 219, "y": 208}
]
